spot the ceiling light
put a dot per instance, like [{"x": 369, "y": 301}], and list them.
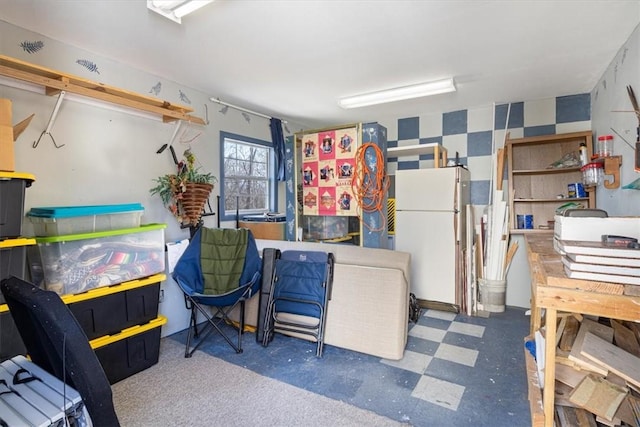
[
  {"x": 399, "y": 93},
  {"x": 176, "y": 9}
]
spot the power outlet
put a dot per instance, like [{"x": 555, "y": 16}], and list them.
[{"x": 161, "y": 297}]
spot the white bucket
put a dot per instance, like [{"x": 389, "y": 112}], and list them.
[{"x": 493, "y": 294}]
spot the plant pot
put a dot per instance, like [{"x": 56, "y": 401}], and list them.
[{"x": 192, "y": 202}]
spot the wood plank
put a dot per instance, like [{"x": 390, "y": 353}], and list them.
[
  {"x": 590, "y": 327},
  {"x": 38, "y": 70},
  {"x": 569, "y": 375},
  {"x": 570, "y": 332},
  {"x": 625, "y": 338},
  {"x": 599, "y": 396},
  {"x": 560, "y": 329},
  {"x": 55, "y": 82},
  {"x": 612, "y": 358},
  {"x": 533, "y": 388},
  {"x": 574, "y": 417},
  {"x": 619, "y": 306},
  {"x": 500, "y": 168}
]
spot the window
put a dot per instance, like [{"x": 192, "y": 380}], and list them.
[{"x": 248, "y": 184}]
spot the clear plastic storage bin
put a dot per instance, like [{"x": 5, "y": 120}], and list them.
[
  {"x": 76, "y": 263},
  {"x": 63, "y": 220}
]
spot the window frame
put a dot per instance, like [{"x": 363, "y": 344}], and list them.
[{"x": 271, "y": 181}]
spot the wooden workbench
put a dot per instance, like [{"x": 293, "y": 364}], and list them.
[{"x": 553, "y": 291}]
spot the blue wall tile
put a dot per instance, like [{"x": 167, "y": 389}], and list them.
[
  {"x": 516, "y": 115},
  {"x": 409, "y": 128},
  {"x": 479, "y": 143},
  {"x": 573, "y": 108},
  {"x": 392, "y": 144},
  {"x": 454, "y": 123},
  {"x": 539, "y": 130},
  {"x": 414, "y": 164},
  {"x": 480, "y": 192}
]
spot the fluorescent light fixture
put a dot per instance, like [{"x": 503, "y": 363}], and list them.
[
  {"x": 399, "y": 93},
  {"x": 176, "y": 9}
]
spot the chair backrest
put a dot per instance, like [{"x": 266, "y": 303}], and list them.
[
  {"x": 302, "y": 275},
  {"x": 56, "y": 342},
  {"x": 218, "y": 260}
]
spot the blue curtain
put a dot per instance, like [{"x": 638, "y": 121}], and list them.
[{"x": 277, "y": 136}]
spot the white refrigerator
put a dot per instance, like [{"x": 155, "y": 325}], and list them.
[{"x": 431, "y": 225}]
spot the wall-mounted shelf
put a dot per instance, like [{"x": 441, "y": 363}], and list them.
[
  {"x": 55, "y": 82},
  {"x": 438, "y": 151},
  {"x": 537, "y": 189}
]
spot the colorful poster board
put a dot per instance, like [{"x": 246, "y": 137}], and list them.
[{"x": 328, "y": 161}]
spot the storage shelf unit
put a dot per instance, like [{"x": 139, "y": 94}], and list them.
[{"x": 537, "y": 189}]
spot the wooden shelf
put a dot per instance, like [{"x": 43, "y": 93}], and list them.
[
  {"x": 546, "y": 171},
  {"x": 534, "y": 187},
  {"x": 55, "y": 82},
  {"x": 438, "y": 151},
  {"x": 552, "y": 200}
]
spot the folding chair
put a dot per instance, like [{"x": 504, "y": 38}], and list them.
[
  {"x": 56, "y": 343},
  {"x": 299, "y": 295},
  {"x": 220, "y": 268}
]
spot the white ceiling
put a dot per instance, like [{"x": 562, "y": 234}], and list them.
[{"x": 294, "y": 59}]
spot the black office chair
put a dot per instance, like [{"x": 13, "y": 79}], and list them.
[{"x": 56, "y": 342}]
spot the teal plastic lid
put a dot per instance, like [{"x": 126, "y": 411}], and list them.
[{"x": 73, "y": 211}]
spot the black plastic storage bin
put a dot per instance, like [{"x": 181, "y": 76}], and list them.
[
  {"x": 12, "y": 188},
  {"x": 109, "y": 310},
  {"x": 13, "y": 259},
  {"x": 131, "y": 351},
  {"x": 10, "y": 341}
]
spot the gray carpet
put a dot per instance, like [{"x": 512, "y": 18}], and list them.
[{"x": 207, "y": 391}]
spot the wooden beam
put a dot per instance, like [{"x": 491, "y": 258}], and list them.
[{"x": 54, "y": 82}]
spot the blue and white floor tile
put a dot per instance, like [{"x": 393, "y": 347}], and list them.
[{"x": 456, "y": 370}]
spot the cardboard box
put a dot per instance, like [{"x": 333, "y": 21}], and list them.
[
  {"x": 7, "y": 155},
  {"x": 592, "y": 229},
  {"x": 5, "y": 112}
]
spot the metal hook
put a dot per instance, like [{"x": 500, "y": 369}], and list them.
[
  {"x": 52, "y": 119},
  {"x": 35, "y": 143}
]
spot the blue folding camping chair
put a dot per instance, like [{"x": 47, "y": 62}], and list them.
[
  {"x": 299, "y": 294},
  {"x": 221, "y": 269}
]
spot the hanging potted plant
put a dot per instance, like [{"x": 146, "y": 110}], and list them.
[{"x": 185, "y": 192}]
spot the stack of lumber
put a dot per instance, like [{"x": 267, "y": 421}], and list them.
[
  {"x": 600, "y": 262},
  {"x": 597, "y": 372}
]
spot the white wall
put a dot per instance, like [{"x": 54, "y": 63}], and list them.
[
  {"x": 109, "y": 156},
  {"x": 607, "y": 98}
]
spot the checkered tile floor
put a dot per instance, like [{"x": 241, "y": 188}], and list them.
[
  {"x": 430, "y": 389},
  {"x": 456, "y": 370}
]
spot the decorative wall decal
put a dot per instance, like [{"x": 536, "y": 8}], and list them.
[
  {"x": 246, "y": 117},
  {"x": 604, "y": 84},
  {"x": 32, "y": 47},
  {"x": 184, "y": 97},
  {"x": 156, "y": 89},
  {"x": 88, "y": 65},
  {"x": 224, "y": 109},
  {"x": 624, "y": 54}
]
